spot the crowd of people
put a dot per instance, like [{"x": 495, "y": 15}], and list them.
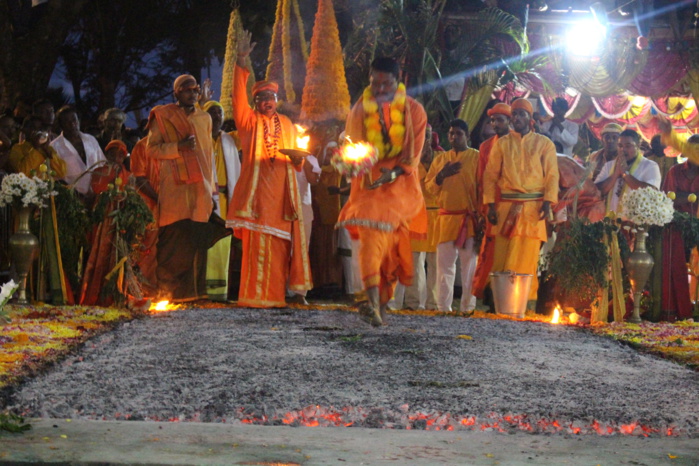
[{"x": 398, "y": 231}]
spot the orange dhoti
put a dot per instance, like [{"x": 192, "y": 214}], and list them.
[
  {"x": 384, "y": 258},
  {"x": 265, "y": 262}
]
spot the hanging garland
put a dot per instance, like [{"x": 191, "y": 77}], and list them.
[{"x": 372, "y": 123}]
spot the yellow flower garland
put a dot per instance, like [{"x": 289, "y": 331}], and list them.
[{"x": 372, "y": 123}]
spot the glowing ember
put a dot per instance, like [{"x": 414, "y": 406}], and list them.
[
  {"x": 556, "y": 318},
  {"x": 574, "y": 317},
  {"x": 302, "y": 139}
]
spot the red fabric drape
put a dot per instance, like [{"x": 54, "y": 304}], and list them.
[{"x": 663, "y": 70}]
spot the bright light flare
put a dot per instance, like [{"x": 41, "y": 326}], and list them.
[
  {"x": 556, "y": 318},
  {"x": 586, "y": 38},
  {"x": 302, "y": 139}
]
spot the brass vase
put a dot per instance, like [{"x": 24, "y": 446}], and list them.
[
  {"x": 23, "y": 245},
  {"x": 639, "y": 266}
]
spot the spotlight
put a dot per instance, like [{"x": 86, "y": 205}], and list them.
[{"x": 586, "y": 38}]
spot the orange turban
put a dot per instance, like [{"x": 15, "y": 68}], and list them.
[
  {"x": 119, "y": 145},
  {"x": 183, "y": 80},
  {"x": 500, "y": 109},
  {"x": 265, "y": 86},
  {"x": 523, "y": 103}
]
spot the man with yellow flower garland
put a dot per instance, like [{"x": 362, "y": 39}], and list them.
[
  {"x": 386, "y": 206},
  {"x": 265, "y": 211}
]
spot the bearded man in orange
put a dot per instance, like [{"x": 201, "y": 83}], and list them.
[
  {"x": 265, "y": 211},
  {"x": 180, "y": 138},
  {"x": 523, "y": 165},
  {"x": 386, "y": 205}
]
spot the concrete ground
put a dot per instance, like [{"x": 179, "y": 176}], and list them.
[{"x": 63, "y": 441}]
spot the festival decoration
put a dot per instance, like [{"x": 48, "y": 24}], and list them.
[
  {"x": 372, "y": 123},
  {"x": 354, "y": 159},
  {"x": 325, "y": 93},
  {"x": 288, "y": 52}
]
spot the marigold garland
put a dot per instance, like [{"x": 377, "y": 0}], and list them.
[
  {"x": 281, "y": 59},
  {"x": 372, "y": 123},
  {"x": 229, "y": 60}
]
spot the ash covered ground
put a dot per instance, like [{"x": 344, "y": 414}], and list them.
[{"x": 327, "y": 368}]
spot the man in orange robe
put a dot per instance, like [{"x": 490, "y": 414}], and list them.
[
  {"x": 265, "y": 211},
  {"x": 386, "y": 205},
  {"x": 523, "y": 165},
  {"x": 500, "y": 122},
  {"x": 180, "y": 138}
]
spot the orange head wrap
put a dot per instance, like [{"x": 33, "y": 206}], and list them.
[
  {"x": 500, "y": 109},
  {"x": 119, "y": 145},
  {"x": 265, "y": 86},
  {"x": 524, "y": 104},
  {"x": 184, "y": 80}
]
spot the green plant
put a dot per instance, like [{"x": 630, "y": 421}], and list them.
[{"x": 579, "y": 261}]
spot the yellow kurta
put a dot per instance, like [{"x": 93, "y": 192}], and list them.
[
  {"x": 689, "y": 150},
  {"x": 221, "y": 174},
  {"x": 457, "y": 193},
  {"x": 24, "y": 158},
  {"x": 428, "y": 244},
  {"x": 522, "y": 165}
]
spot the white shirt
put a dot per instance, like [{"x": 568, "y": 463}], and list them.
[
  {"x": 568, "y": 137},
  {"x": 304, "y": 185},
  {"x": 74, "y": 164},
  {"x": 647, "y": 172}
]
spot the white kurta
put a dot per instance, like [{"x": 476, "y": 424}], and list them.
[{"x": 74, "y": 164}]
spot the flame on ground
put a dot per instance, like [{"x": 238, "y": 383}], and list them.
[
  {"x": 163, "y": 306},
  {"x": 556, "y": 318}
]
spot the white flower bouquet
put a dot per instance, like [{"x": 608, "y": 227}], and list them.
[
  {"x": 21, "y": 191},
  {"x": 6, "y": 292},
  {"x": 647, "y": 206}
]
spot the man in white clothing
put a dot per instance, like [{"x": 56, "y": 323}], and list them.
[
  {"x": 559, "y": 129},
  {"x": 79, "y": 150},
  {"x": 629, "y": 170}
]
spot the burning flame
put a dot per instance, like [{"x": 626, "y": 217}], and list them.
[
  {"x": 163, "y": 306},
  {"x": 556, "y": 318},
  {"x": 302, "y": 139},
  {"x": 353, "y": 152}
]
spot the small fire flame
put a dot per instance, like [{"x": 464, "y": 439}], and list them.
[
  {"x": 163, "y": 306},
  {"x": 302, "y": 139},
  {"x": 357, "y": 151},
  {"x": 556, "y": 318}
]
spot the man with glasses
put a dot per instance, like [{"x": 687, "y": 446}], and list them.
[
  {"x": 180, "y": 138},
  {"x": 265, "y": 211}
]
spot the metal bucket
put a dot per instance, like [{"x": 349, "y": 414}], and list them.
[{"x": 510, "y": 292}]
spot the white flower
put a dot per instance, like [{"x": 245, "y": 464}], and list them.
[
  {"x": 6, "y": 292},
  {"x": 647, "y": 206}
]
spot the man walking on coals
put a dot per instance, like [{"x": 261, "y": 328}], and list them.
[{"x": 386, "y": 206}]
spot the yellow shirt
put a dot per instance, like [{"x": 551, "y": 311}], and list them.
[
  {"x": 689, "y": 150},
  {"x": 24, "y": 158},
  {"x": 221, "y": 174},
  {"x": 428, "y": 244},
  {"x": 520, "y": 165},
  {"x": 457, "y": 192}
]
